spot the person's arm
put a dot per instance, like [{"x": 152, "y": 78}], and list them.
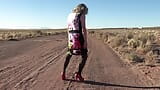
[{"x": 84, "y": 30}]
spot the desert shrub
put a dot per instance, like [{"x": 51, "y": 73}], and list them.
[
  {"x": 99, "y": 35},
  {"x": 105, "y": 37},
  {"x": 129, "y": 35},
  {"x": 17, "y": 36},
  {"x": 118, "y": 40},
  {"x": 31, "y": 35},
  {"x": 150, "y": 58},
  {"x": 91, "y": 32},
  {"x": 39, "y": 33},
  {"x": 4, "y": 36},
  {"x": 10, "y": 37},
  {"x": 48, "y": 33},
  {"x": 135, "y": 58},
  {"x": 1, "y": 36},
  {"x": 151, "y": 37},
  {"x": 112, "y": 34},
  {"x": 143, "y": 38},
  {"x": 133, "y": 43},
  {"x": 141, "y": 44},
  {"x": 56, "y": 33},
  {"x": 147, "y": 49}
]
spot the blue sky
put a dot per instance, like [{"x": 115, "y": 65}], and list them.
[{"x": 102, "y": 13}]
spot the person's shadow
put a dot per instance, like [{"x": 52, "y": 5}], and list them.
[{"x": 109, "y": 84}]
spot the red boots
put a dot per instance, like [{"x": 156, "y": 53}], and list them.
[
  {"x": 63, "y": 76},
  {"x": 78, "y": 77}
]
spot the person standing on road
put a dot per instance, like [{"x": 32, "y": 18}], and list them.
[{"x": 77, "y": 39}]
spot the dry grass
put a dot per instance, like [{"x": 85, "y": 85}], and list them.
[
  {"x": 24, "y": 34},
  {"x": 134, "y": 45}
]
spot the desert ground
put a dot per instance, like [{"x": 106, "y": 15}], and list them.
[{"x": 37, "y": 63}]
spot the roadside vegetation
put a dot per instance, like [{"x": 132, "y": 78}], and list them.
[
  {"x": 132, "y": 45},
  {"x": 17, "y": 35}
]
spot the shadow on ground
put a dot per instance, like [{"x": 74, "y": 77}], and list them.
[{"x": 109, "y": 84}]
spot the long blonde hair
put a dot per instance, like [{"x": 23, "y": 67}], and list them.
[{"x": 81, "y": 8}]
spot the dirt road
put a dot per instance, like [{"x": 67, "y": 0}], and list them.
[{"x": 36, "y": 64}]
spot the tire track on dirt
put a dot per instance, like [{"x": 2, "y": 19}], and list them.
[
  {"x": 50, "y": 77},
  {"x": 23, "y": 70},
  {"x": 35, "y": 74},
  {"x": 15, "y": 72}
]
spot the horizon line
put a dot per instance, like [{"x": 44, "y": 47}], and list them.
[
  {"x": 26, "y": 28},
  {"x": 140, "y": 27}
]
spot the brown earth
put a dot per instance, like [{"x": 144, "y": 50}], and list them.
[{"x": 36, "y": 64}]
